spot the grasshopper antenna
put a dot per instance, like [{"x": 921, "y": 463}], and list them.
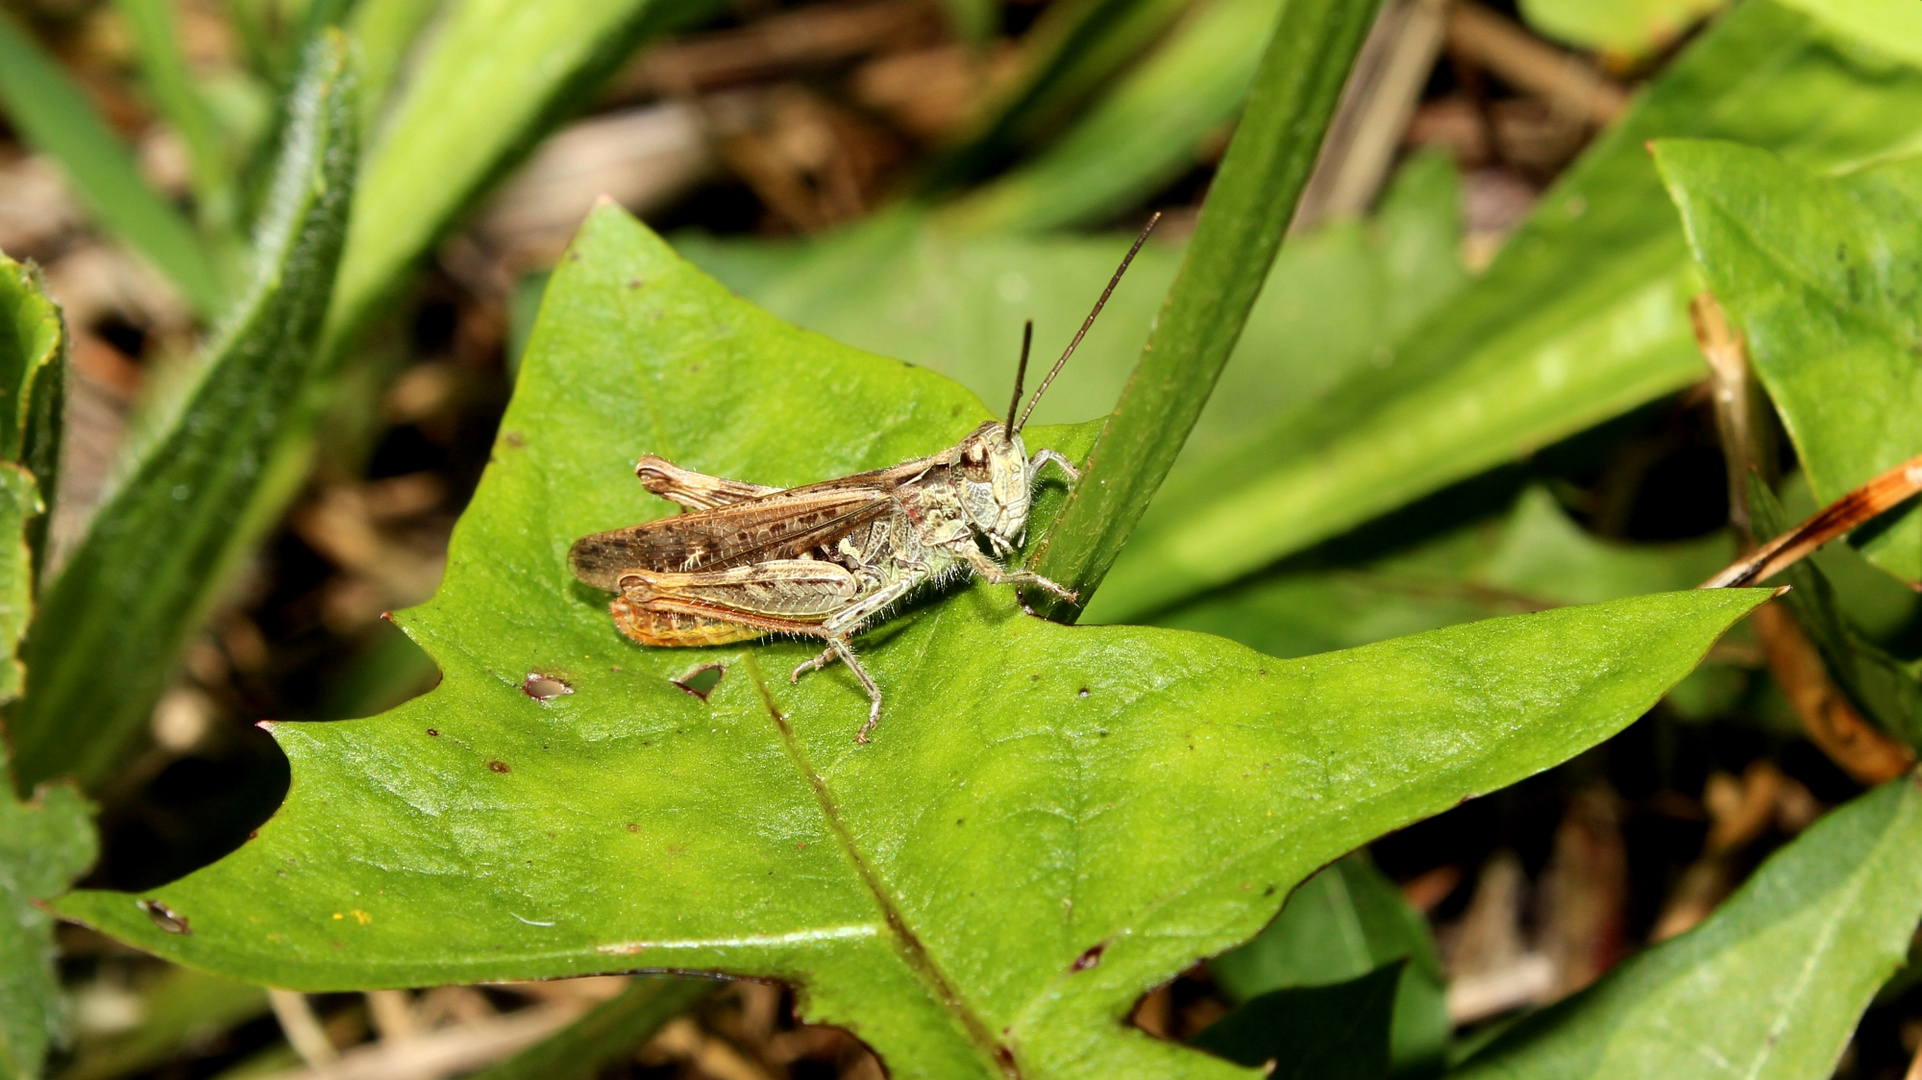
[
  {"x": 1020, "y": 372},
  {"x": 1085, "y": 324}
]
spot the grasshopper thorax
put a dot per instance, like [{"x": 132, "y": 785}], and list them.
[{"x": 992, "y": 479}]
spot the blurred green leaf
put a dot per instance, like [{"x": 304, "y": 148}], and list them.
[
  {"x": 155, "y": 557},
  {"x": 1332, "y": 1031},
  {"x": 1630, "y": 27},
  {"x": 1073, "y": 49},
  {"x": 1142, "y": 135},
  {"x": 614, "y": 1030},
  {"x": 181, "y": 1010},
  {"x": 1348, "y": 922},
  {"x": 1822, "y": 276},
  {"x": 996, "y": 878},
  {"x": 386, "y": 31},
  {"x": 33, "y": 374},
  {"x": 1582, "y": 317},
  {"x": 1893, "y": 26},
  {"x": 1768, "y": 987},
  {"x": 53, "y": 115},
  {"x": 497, "y": 76},
  {"x": 1530, "y": 559},
  {"x": 156, "y": 41},
  {"x": 903, "y": 286},
  {"x": 1249, "y": 205}
]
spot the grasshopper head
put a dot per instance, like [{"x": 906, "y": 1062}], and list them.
[{"x": 993, "y": 479}]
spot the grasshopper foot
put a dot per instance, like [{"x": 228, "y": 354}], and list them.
[{"x": 815, "y": 664}]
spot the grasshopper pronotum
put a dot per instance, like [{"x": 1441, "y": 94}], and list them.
[{"x": 825, "y": 560}]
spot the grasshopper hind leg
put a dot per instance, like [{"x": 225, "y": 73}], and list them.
[{"x": 838, "y": 647}]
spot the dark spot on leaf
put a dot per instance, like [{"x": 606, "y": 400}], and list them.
[
  {"x": 165, "y": 917},
  {"x": 1269, "y": 891},
  {"x": 1261, "y": 671},
  {"x": 499, "y": 766},
  {"x": 253, "y": 834},
  {"x": 958, "y": 821},
  {"x": 1035, "y": 677},
  {"x": 633, "y": 827},
  {"x": 1082, "y": 692},
  {"x": 544, "y": 687},
  {"x": 702, "y": 681},
  {"x": 633, "y": 283},
  {"x": 435, "y": 732},
  {"x": 514, "y": 439},
  {"x": 1090, "y": 958},
  {"x": 1101, "y": 734},
  {"x": 573, "y": 256}
]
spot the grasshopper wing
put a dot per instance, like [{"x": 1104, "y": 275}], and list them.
[{"x": 784, "y": 525}]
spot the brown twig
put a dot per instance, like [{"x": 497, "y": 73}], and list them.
[
  {"x": 1526, "y": 62},
  {"x": 1845, "y": 514},
  {"x": 1832, "y": 722}
]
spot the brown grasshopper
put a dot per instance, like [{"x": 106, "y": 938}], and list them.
[{"x": 825, "y": 560}]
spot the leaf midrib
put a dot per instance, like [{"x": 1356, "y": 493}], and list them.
[{"x": 908, "y": 946}]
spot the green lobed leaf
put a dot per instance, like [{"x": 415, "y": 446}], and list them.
[
  {"x": 1822, "y": 276},
  {"x": 20, "y": 504},
  {"x": 1335, "y": 1031},
  {"x": 1346, "y": 923},
  {"x": 1767, "y": 988},
  {"x": 1242, "y": 222},
  {"x": 996, "y": 878},
  {"x": 33, "y": 375},
  {"x": 112, "y": 623},
  {"x": 52, "y": 114},
  {"x": 1141, "y": 136},
  {"x": 1630, "y": 27},
  {"x": 496, "y": 77},
  {"x": 1582, "y": 317},
  {"x": 45, "y": 843}
]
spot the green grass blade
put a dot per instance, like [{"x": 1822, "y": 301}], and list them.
[
  {"x": 614, "y": 1029},
  {"x": 114, "y": 620},
  {"x": 156, "y": 41},
  {"x": 1070, "y": 52},
  {"x": 50, "y": 111},
  {"x": 1241, "y": 227},
  {"x": 499, "y": 75},
  {"x": 1142, "y": 136}
]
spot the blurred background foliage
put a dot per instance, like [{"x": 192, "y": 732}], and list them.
[{"x": 1470, "y": 386}]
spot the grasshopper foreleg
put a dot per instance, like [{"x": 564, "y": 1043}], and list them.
[
  {"x": 995, "y": 574},
  {"x": 1043, "y": 457}
]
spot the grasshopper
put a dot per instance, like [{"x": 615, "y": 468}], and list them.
[{"x": 826, "y": 560}]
